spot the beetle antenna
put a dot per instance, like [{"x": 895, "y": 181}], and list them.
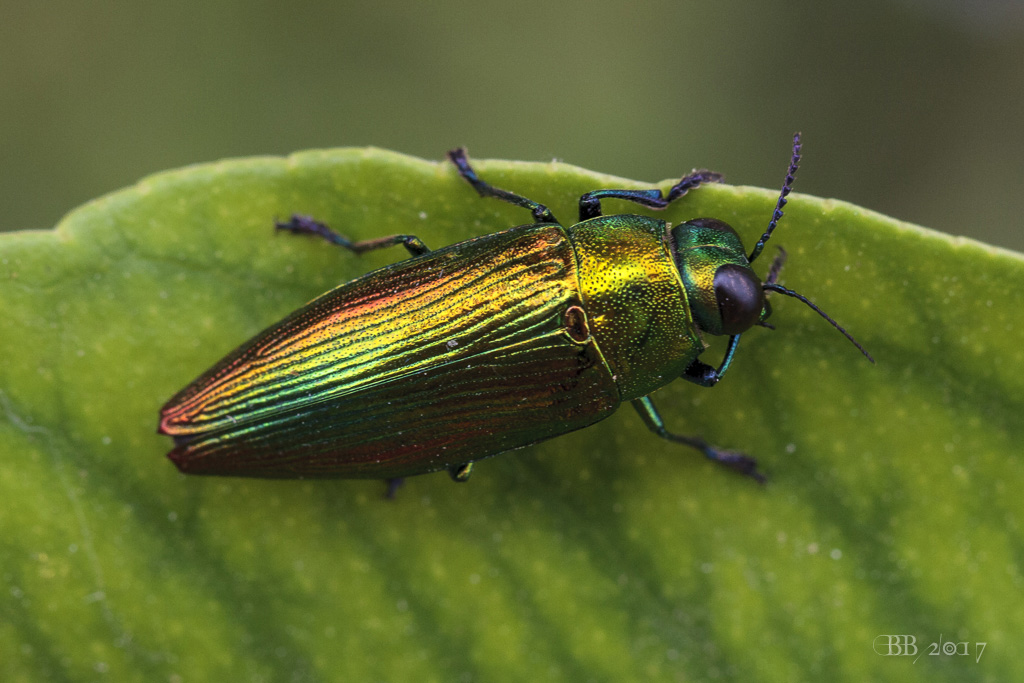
[
  {"x": 773, "y": 277},
  {"x": 771, "y": 286},
  {"x": 794, "y": 163},
  {"x": 776, "y": 268}
]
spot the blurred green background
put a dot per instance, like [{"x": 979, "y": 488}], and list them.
[{"x": 914, "y": 109}]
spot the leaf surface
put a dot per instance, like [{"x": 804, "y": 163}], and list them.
[{"x": 606, "y": 554}]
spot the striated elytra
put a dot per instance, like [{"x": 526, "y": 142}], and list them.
[{"x": 492, "y": 344}]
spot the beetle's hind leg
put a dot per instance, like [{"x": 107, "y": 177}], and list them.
[
  {"x": 541, "y": 213},
  {"x": 306, "y": 225},
  {"x": 737, "y": 462},
  {"x": 590, "y": 203},
  {"x": 393, "y": 486},
  {"x": 460, "y": 473}
]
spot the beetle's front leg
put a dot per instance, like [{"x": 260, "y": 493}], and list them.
[
  {"x": 307, "y": 225},
  {"x": 590, "y": 203},
  {"x": 701, "y": 374},
  {"x": 707, "y": 376},
  {"x": 738, "y": 462}
]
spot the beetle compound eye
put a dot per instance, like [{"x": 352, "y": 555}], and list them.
[{"x": 740, "y": 298}]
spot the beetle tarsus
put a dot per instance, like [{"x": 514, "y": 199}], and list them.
[
  {"x": 740, "y": 463},
  {"x": 307, "y": 225}
]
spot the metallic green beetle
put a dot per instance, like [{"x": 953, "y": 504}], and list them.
[{"x": 481, "y": 347}]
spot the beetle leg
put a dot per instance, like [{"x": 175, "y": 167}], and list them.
[
  {"x": 590, "y": 203},
  {"x": 541, "y": 213},
  {"x": 739, "y": 462},
  {"x": 701, "y": 374},
  {"x": 393, "y": 486},
  {"x": 460, "y": 473},
  {"x": 309, "y": 226},
  {"x": 707, "y": 376}
]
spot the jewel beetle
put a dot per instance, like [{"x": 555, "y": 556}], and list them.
[{"x": 485, "y": 346}]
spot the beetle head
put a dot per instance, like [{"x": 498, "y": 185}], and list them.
[{"x": 725, "y": 295}]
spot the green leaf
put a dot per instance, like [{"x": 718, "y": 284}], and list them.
[{"x": 893, "y": 505}]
